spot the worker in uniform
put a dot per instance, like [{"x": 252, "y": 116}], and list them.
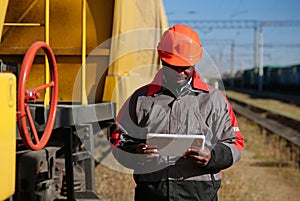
[{"x": 177, "y": 101}]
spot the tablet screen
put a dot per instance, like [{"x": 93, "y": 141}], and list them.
[{"x": 174, "y": 144}]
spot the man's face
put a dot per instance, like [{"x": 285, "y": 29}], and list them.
[{"x": 177, "y": 75}]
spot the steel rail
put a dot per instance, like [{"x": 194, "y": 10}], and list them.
[{"x": 282, "y": 125}]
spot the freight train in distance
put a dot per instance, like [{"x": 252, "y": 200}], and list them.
[{"x": 276, "y": 78}]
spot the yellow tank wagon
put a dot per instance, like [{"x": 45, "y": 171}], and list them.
[{"x": 104, "y": 49}]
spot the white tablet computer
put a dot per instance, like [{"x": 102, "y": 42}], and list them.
[{"x": 174, "y": 144}]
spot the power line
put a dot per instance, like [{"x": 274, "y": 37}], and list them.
[
  {"x": 217, "y": 24},
  {"x": 208, "y": 25},
  {"x": 223, "y": 42},
  {"x": 234, "y": 24}
]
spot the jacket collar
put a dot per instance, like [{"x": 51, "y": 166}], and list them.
[{"x": 156, "y": 84}]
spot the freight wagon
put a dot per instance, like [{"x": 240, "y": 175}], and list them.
[
  {"x": 284, "y": 79},
  {"x": 64, "y": 91}
]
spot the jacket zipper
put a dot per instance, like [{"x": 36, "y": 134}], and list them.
[{"x": 213, "y": 179}]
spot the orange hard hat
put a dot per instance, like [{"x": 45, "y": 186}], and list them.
[{"x": 180, "y": 46}]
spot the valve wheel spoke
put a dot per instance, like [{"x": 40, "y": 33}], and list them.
[
  {"x": 39, "y": 88},
  {"x": 28, "y": 114}
]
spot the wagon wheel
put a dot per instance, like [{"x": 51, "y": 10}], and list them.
[{"x": 24, "y": 95}]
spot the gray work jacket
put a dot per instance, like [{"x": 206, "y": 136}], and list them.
[{"x": 198, "y": 110}]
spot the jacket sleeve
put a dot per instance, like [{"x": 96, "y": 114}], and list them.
[
  {"x": 230, "y": 143},
  {"x": 127, "y": 135}
]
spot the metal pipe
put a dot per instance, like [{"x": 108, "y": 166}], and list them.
[
  {"x": 83, "y": 55},
  {"x": 47, "y": 70},
  {"x": 23, "y": 24},
  {"x": 68, "y": 141}
]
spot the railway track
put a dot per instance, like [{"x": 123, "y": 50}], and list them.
[
  {"x": 285, "y": 126},
  {"x": 287, "y": 98}
]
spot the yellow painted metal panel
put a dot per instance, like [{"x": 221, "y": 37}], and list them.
[
  {"x": 3, "y": 7},
  {"x": 104, "y": 20},
  {"x": 110, "y": 85},
  {"x": 138, "y": 26},
  {"x": 118, "y": 88},
  {"x": 65, "y": 38},
  {"x": 7, "y": 134}
]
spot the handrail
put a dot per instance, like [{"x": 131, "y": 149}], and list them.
[
  {"x": 47, "y": 71},
  {"x": 83, "y": 56}
]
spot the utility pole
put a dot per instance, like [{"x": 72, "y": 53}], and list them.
[
  {"x": 232, "y": 65},
  {"x": 255, "y": 50},
  {"x": 261, "y": 60},
  {"x": 221, "y": 62}
]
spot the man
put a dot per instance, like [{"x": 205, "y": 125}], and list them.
[{"x": 178, "y": 102}]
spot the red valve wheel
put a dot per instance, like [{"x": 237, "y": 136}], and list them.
[{"x": 24, "y": 115}]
